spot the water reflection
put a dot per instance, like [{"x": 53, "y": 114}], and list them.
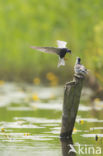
[{"x": 67, "y": 147}]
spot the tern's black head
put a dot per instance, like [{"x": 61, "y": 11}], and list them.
[
  {"x": 78, "y": 60},
  {"x": 68, "y": 51}
]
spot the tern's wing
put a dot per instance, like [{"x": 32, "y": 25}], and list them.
[
  {"x": 47, "y": 49},
  {"x": 61, "y": 44}
]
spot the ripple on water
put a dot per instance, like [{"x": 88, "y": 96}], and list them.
[
  {"x": 19, "y": 109},
  {"x": 53, "y": 106},
  {"x": 89, "y": 120},
  {"x": 18, "y": 125},
  {"x": 91, "y": 135},
  {"x": 38, "y": 120},
  {"x": 96, "y": 128}
]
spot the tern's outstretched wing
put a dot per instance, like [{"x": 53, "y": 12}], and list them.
[
  {"x": 47, "y": 49},
  {"x": 61, "y": 44}
]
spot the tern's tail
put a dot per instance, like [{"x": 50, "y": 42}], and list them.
[{"x": 61, "y": 62}]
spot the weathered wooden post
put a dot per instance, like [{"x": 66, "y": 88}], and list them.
[{"x": 72, "y": 95}]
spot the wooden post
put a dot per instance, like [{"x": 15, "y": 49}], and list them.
[{"x": 70, "y": 106}]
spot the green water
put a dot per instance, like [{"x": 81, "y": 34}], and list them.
[{"x": 30, "y": 122}]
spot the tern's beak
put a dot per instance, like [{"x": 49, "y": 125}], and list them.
[{"x": 69, "y": 51}]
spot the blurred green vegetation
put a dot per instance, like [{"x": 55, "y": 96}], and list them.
[{"x": 27, "y": 22}]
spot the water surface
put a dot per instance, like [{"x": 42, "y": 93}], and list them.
[{"x": 30, "y": 122}]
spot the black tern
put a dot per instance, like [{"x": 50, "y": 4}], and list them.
[
  {"x": 79, "y": 68},
  {"x": 61, "y": 50}
]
